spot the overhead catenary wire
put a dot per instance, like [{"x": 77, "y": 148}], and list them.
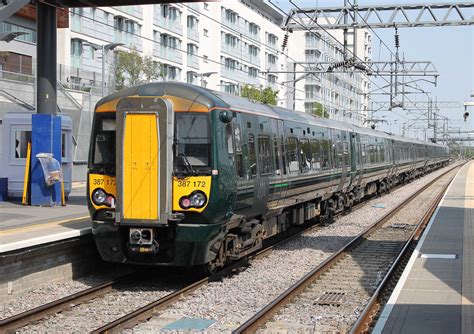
[{"x": 329, "y": 34}]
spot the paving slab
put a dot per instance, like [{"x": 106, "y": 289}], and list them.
[{"x": 436, "y": 291}]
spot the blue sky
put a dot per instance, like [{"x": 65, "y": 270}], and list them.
[{"x": 451, "y": 49}]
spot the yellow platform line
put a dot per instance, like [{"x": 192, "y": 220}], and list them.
[{"x": 40, "y": 225}]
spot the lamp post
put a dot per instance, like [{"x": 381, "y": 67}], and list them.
[
  {"x": 105, "y": 48},
  {"x": 207, "y": 75},
  {"x": 10, "y": 36}
]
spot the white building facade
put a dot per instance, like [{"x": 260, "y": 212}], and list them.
[
  {"x": 341, "y": 95},
  {"x": 219, "y": 45}
]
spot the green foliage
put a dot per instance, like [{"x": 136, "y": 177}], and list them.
[
  {"x": 265, "y": 95},
  {"x": 131, "y": 69},
  {"x": 318, "y": 110}
]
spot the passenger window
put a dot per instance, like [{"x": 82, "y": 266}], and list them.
[
  {"x": 22, "y": 138},
  {"x": 345, "y": 151},
  {"x": 276, "y": 155},
  {"x": 305, "y": 155},
  {"x": 316, "y": 155},
  {"x": 293, "y": 162},
  {"x": 265, "y": 155},
  {"x": 325, "y": 146},
  {"x": 372, "y": 154},
  {"x": 252, "y": 156},
  {"x": 382, "y": 154},
  {"x": 239, "y": 164},
  {"x": 362, "y": 153},
  {"x": 339, "y": 154}
]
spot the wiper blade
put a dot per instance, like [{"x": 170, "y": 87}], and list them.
[{"x": 181, "y": 154}]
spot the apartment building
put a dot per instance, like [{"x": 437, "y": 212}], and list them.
[
  {"x": 219, "y": 45},
  {"x": 341, "y": 95}
]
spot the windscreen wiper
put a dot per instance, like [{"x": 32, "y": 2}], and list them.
[{"x": 181, "y": 154}]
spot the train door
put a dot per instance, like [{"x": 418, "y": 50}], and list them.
[
  {"x": 144, "y": 155},
  {"x": 277, "y": 178},
  {"x": 356, "y": 165}
]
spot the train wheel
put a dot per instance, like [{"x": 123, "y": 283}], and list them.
[{"x": 218, "y": 262}]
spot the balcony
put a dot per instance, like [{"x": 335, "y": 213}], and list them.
[
  {"x": 255, "y": 60},
  {"x": 136, "y": 11},
  {"x": 193, "y": 61},
  {"x": 170, "y": 54},
  {"x": 232, "y": 74},
  {"x": 193, "y": 34},
  {"x": 230, "y": 49}
]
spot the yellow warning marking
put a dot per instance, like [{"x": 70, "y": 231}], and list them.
[
  {"x": 38, "y": 226},
  {"x": 26, "y": 179}
]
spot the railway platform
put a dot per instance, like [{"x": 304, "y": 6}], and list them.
[
  {"x": 27, "y": 226},
  {"x": 436, "y": 291}
]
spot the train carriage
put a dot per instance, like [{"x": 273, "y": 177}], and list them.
[{"x": 180, "y": 175}]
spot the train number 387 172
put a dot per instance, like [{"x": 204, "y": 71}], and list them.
[{"x": 196, "y": 184}]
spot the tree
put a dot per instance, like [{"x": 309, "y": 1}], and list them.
[
  {"x": 318, "y": 110},
  {"x": 131, "y": 69},
  {"x": 265, "y": 95}
]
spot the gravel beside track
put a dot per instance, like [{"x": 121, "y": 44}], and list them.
[
  {"x": 53, "y": 291},
  {"x": 233, "y": 300},
  {"x": 86, "y": 317}
]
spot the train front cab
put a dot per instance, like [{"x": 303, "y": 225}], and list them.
[{"x": 141, "y": 204}]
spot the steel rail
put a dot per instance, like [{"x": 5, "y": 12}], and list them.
[
  {"x": 375, "y": 302},
  {"x": 37, "y": 313},
  {"x": 266, "y": 313}
]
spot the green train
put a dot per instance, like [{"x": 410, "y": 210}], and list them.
[{"x": 179, "y": 175}]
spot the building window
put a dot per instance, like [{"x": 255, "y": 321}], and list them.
[
  {"x": 192, "y": 49},
  {"x": 191, "y": 78},
  {"x": 22, "y": 138},
  {"x": 253, "y": 28},
  {"x": 192, "y": 22},
  {"x": 271, "y": 39},
  {"x": 231, "y": 16},
  {"x": 206, "y": 6},
  {"x": 253, "y": 72},
  {"x": 272, "y": 78},
  {"x": 253, "y": 50},
  {"x": 30, "y": 36},
  {"x": 206, "y": 32},
  {"x": 76, "y": 47}
]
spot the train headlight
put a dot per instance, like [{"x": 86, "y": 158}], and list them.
[
  {"x": 99, "y": 197},
  {"x": 184, "y": 203},
  {"x": 198, "y": 199}
]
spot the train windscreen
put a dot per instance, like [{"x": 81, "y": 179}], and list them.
[
  {"x": 102, "y": 158},
  {"x": 191, "y": 144}
]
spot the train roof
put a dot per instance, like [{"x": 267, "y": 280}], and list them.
[{"x": 216, "y": 99}]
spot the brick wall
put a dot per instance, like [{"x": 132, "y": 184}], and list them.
[{"x": 29, "y": 12}]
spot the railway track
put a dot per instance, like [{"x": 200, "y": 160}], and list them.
[
  {"x": 344, "y": 292},
  {"x": 141, "y": 314}
]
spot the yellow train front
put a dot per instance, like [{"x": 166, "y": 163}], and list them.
[{"x": 152, "y": 168}]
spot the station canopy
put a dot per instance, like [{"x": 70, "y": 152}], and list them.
[{"x": 109, "y": 3}]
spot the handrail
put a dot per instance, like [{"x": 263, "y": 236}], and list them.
[
  {"x": 64, "y": 90},
  {"x": 18, "y": 101}
]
